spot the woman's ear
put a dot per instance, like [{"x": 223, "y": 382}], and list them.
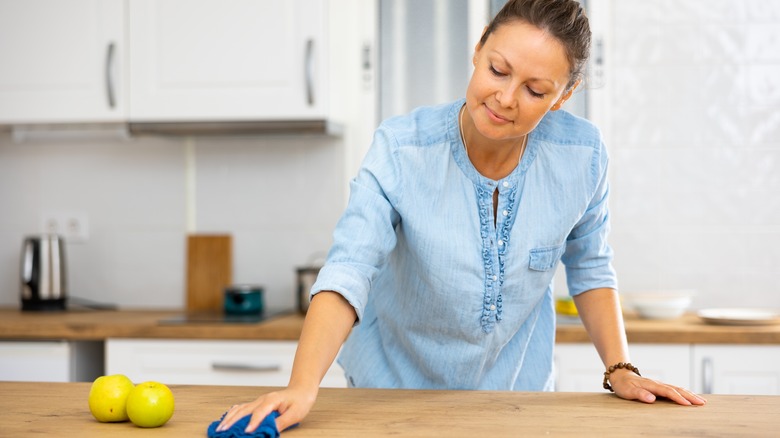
[
  {"x": 565, "y": 96},
  {"x": 478, "y": 45}
]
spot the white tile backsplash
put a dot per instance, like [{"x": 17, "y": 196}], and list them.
[
  {"x": 695, "y": 146},
  {"x": 761, "y": 11},
  {"x": 279, "y": 197},
  {"x": 762, "y": 42}
]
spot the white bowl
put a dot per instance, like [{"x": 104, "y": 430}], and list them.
[{"x": 660, "y": 304}]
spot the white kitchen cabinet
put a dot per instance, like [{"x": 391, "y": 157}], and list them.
[
  {"x": 705, "y": 369},
  {"x": 62, "y": 61},
  {"x": 51, "y": 361},
  {"x": 736, "y": 369},
  {"x": 237, "y": 60},
  {"x": 209, "y": 362},
  {"x": 579, "y": 368}
]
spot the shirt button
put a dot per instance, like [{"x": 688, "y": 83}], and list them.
[
  {"x": 492, "y": 307},
  {"x": 500, "y": 243},
  {"x": 505, "y": 184},
  {"x": 505, "y": 213},
  {"x": 495, "y": 277}
]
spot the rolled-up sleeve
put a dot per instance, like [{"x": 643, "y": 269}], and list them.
[
  {"x": 365, "y": 234},
  {"x": 588, "y": 256}
]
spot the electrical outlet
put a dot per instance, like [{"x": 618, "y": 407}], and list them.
[{"x": 73, "y": 225}]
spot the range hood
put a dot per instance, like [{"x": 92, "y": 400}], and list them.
[
  {"x": 54, "y": 131},
  {"x": 259, "y": 127}
]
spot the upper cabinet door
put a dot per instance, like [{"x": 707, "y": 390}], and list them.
[
  {"x": 221, "y": 60},
  {"x": 61, "y": 61}
]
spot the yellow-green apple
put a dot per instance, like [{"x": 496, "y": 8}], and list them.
[
  {"x": 150, "y": 404},
  {"x": 108, "y": 398}
]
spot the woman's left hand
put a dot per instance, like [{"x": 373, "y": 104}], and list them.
[{"x": 630, "y": 386}]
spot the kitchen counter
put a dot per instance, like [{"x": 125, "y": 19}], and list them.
[
  {"x": 60, "y": 409},
  {"x": 154, "y": 324},
  {"x": 138, "y": 323}
]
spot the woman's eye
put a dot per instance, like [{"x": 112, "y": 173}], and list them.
[
  {"x": 496, "y": 72},
  {"x": 535, "y": 94}
]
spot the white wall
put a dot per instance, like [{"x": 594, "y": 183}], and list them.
[{"x": 695, "y": 146}]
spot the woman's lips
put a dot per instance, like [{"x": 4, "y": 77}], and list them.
[{"x": 495, "y": 117}]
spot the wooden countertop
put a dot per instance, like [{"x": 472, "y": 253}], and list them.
[
  {"x": 138, "y": 323},
  {"x": 60, "y": 409},
  {"x": 98, "y": 325}
]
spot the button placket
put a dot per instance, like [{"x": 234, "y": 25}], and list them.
[{"x": 495, "y": 240}]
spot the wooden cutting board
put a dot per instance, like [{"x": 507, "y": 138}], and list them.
[{"x": 209, "y": 270}]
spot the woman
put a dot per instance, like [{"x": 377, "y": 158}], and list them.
[{"x": 455, "y": 224}]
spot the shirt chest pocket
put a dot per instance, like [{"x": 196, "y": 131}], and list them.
[{"x": 545, "y": 258}]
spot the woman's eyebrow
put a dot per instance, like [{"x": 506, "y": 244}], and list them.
[{"x": 509, "y": 64}]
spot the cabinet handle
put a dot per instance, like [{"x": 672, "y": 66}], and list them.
[
  {"x": 309, "y": 74},
  {"x": 706, "y": 375},
  {"x": 110, "y": 76},
  {"x": 223, "y": 366}
]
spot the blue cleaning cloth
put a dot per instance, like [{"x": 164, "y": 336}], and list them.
[{"x": 266, "y": 429}]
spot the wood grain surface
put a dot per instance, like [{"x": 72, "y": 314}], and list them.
[
  {"x": 138, "y": 323},
  {"x": 60, "y": 409},
  {"x": 143, "y": 323},
  {"x": 209, "y": 270}
]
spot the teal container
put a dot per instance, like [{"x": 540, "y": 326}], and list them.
[{"x": 244, "y": 300}]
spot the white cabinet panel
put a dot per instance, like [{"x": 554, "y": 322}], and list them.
[
  {"x": 243, "y": 363},
  {"x": 736, "y": 369},
  {"x": 61, "y": 61},
  {"x": 51, "y": 361},
  {"x": 237, "y": 60},
  {"x": 579, "y": 368}
]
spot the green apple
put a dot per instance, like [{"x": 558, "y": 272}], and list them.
[
  {"x": 150, "y": 404},
  {"x": 108, "y": 398}
]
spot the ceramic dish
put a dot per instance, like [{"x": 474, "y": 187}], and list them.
[
  {"x": 739, "y": 316},
  {"x": 663, "y": 304}
]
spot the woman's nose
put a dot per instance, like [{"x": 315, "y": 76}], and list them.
[{"x": 506, "y": 96}]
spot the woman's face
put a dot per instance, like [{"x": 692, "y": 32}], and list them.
[{"x": 519, "y": 74}]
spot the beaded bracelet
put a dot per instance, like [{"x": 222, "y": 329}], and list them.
[{"x": 617, "y": 366}]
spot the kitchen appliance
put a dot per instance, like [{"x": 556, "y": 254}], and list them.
[
  {"x": 43, "y": 273},
  {"x": 305, "y": 278},
  {"x": 244, "y": 299}
]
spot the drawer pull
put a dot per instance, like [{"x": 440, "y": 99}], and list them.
[
  {"x": 707, "y": 375},
  {"x": 110, "y": 87},
  {"x": 222, "y": 366}
]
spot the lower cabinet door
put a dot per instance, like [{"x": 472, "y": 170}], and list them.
[
  {"x": 578, "y": 367},
  {"x": 51, "y": 361},
  {"x": 736, "y": 369},
  {"x": 212, "y": 362},
  {"x": 35, "y": 361}
]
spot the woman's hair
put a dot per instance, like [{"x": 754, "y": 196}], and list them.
[{"x": 563, "y": 19}]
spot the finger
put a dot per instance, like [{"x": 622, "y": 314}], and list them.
[
  {"x": 235, "y": 413},
  {"x": 692, "y": 397},
  {"x": 669, "y": 392},
  {"x": 227, "y": 419},
  {"x": 286, "y": 420},
  {"x": 643, "y": 395},
  {"x": 258, "y": 415}
]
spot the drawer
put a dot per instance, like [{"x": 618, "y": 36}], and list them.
[{"x": 212, "y": 362}]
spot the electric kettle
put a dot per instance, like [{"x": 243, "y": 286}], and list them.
[{"x": 43, "y": 273}]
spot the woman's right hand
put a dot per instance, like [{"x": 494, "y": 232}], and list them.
[
  {"x": 328, "y": 322},
  {"x": 293, "y": 405}
]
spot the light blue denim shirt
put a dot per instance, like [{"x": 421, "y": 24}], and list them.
[{"x": 445, "y": 297}]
